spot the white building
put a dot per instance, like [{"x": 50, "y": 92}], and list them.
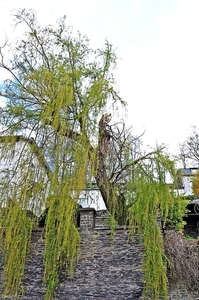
[
  {"x": 186, "y": 180},
  {"x": 24, "y": 179},
  {"x": 91, "y": 197},
  {"x": 23, "y": 173}
]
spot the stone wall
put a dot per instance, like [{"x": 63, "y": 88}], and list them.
[
  {"x": 104, "y": 271},
  {"x": 178, "y": 291},
  {"x": 34, "y": 271},
  {"x": 87, "y": 218}
]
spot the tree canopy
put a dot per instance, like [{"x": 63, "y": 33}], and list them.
[{"x": 57, "y": 94}]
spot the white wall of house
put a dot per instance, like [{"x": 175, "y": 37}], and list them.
[
  {"x": 187, "y": 178},
  {"x": 19, "y": 169},
  {"x": 187, "y": 183},
  {"x": 92, "y": 198}
]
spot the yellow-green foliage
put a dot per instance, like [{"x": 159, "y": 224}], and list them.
[
  {"x": 61, "y": 234},
  {"x": 62, "y": 88},
  {"x": 62, "y": 240},
  {"x": 57, "y": 90},
  {"x": 195, "y": 184},
  {"x": 16, "y": 228},
  {"x": 17, "y": 189},
  {"x": 62, "y": 237},
  {"x": 152, "y": 200}
]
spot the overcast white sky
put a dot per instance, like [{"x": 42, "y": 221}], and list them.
[{"x": 158, "y": 43}]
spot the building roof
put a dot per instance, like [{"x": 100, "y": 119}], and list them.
[{"x": 189, "y": 171}]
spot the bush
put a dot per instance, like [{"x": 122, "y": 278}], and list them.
[{"x": 183, "y": 259}]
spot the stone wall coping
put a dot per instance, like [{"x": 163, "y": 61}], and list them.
[
  {"x": 87, "y": 209},
  {"x": 39, "y": 229},
  {"x": 109, "y": 228}
]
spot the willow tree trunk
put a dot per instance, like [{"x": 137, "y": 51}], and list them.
[{"x": 104, "y": 184}]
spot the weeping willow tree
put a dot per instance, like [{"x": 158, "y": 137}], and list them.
[
  {"x": 151, "y": 201},
  {"x": 56, "y": 139}
]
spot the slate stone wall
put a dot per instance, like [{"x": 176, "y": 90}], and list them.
[
  {"x": 104, "y": 271},
  {"x": 33, "y": 277},
  {"x": 87, "y": 218}
]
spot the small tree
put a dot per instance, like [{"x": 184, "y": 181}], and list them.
[
  {"x": 189, "y": 150},
  {"x": 56, "y": 92}
]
